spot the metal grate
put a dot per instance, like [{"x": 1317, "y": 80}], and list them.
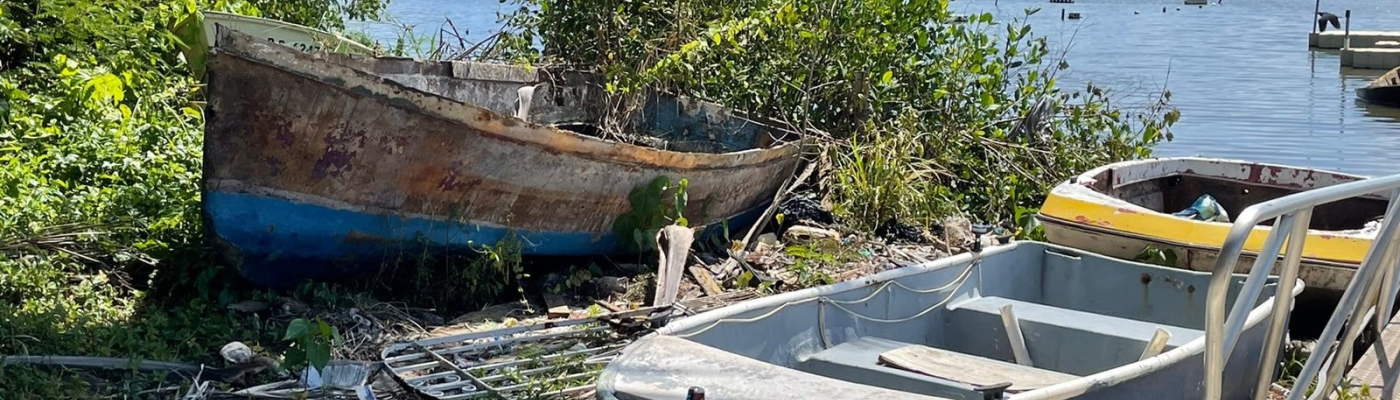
[
  {"x": 556, "y": 358},
  {"x": 1372, "y": 288}
]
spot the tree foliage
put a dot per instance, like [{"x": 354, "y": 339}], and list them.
[
  {"x": 101, "y": 133},
  {"x": 925, "y": 115}
]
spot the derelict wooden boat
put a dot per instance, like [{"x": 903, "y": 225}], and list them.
[
  {"x": 1121, "y": 209},
  {"x": 318, "y": 162},
  {"x": 940, "y": 330},
  {"x": 1385, "y": 90}
]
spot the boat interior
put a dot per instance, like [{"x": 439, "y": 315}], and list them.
[
  {"x": 1390, "y": 78},
  {"x": 573, "y": 101},
  {"x": 1173, "y": 189},
  {"x": 940, "y": 332}
]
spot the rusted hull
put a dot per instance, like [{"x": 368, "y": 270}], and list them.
[{"x": 315, "y": 165}]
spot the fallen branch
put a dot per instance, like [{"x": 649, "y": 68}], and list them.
[{"x": 783, "y": 192}]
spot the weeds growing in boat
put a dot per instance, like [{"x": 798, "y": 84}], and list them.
[{"x": 1157, "y": 256}]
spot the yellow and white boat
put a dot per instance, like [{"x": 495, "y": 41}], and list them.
[{"x": 1122, "y": 209}]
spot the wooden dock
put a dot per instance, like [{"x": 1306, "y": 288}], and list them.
[
  {"x": 1378, "y": 367},
  {"x": 1333, "y": 39},
  {"x": 1371, "y": 57}
]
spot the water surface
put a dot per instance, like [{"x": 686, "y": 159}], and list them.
[{"x": 1241, "y": 72}]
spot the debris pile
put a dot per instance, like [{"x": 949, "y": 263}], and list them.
[{"x": 555, "y": 347}]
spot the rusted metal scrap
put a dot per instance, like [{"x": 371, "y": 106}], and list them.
[
  {"x": 559, "y": 357},
  {"x": 555, "y": 358}
]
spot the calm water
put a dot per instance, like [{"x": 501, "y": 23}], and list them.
[{"x": 1241, "y": 72}]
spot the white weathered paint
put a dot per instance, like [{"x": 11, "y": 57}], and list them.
[{"x": 1333, "y": 39}]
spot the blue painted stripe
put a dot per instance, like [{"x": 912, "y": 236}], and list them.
[{"x": 281, "y": 242}]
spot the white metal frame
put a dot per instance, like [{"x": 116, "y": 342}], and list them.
[{"x": 1362, "y": 301}]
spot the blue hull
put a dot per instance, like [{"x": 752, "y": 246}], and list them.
[{"x": 281, "y": 243}]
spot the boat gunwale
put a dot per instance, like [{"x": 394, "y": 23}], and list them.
[
  {"x": 1092, "y": 175},
  {"x": 1380, "y": 81},
  {"x": 1062, "y": 390},
  {"x": 1048, "y": 219},
  {"x": 1076, "y": 199},
  {"x": 287, "y": 25},
  {"x": 390, "y": 93}
]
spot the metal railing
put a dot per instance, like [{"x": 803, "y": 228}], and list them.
[{"x": 1368, "y": 296}]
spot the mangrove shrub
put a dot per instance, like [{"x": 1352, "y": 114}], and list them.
[{"x": 924, "y": 113}]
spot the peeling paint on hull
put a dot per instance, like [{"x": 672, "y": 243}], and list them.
[
  {"x": 1120, "y": 209},
  {"x": 312, "y": 159},
  {"x": 285, "y": 241}
]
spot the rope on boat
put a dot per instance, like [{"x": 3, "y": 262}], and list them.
[
  {"x": 962, "y": 279},
  {"x": 747, "y": 320},
  {"x": 957, "y": 283}
]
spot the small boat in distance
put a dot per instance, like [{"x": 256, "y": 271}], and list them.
[
  {"x": 1384, "y": 90},
  {"x": 318, "y": 165},
  {"x": 1025, "y": 320},
  {"x": 1123, "y": 209}
]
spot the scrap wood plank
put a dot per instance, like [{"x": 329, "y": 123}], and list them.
[
  {"x": 706, "y": 280},
  {"x": 674, "y": 242},
  {"x": 969, "y": 369},
  {"x": 558, "y": 308}
]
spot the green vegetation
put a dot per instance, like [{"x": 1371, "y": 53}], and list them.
[
  {"x": 1157, "y": 256},
  {"x": 311, "y": 343},
  {"x": 101, "y": 248},
  {"x": 653, "y": 207},
  {"x": 1294, "y": 358},
  {"x": 923, "y": 116},
  {"x": 101, "y": 251}
]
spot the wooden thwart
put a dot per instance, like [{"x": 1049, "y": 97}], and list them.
[{"x": 969, "y": 369}]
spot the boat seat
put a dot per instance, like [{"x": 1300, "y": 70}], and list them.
[
  {"x": 1065, "y": 340},
  {"x": 664, "y": 367},
  {"x": 859, "y": 361}
]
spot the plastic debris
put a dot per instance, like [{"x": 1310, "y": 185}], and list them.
[
  {"x": 236, "y": 353},
  {"x": 802, "y": 234},
  {"x": 339, "y": 374},
  {"x": 1205, "y": 209},
  {"x": 768, "y": 239},
  {"x": 340, "y": 379}
]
